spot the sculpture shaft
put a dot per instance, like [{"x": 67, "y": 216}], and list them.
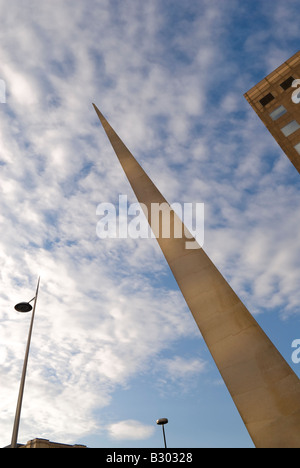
[{"x": 262, "y": 385}]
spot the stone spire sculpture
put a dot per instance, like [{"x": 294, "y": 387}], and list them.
[{"x": 262, "y": 385}]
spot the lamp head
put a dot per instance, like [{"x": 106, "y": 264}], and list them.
[
  {"x": 23, "y": 307},
  {"x": 162, "y": 421}
]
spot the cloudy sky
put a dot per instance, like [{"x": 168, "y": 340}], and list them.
[{"x": 114, "y": 345}]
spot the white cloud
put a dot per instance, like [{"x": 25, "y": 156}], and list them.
[
  {"x": 130, "y": 430},
  {"x": 179, "y": 368}
]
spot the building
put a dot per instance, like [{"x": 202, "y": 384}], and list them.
[
  {"x": 276, "y": 100},
  {"x": 45, "y": 443}
]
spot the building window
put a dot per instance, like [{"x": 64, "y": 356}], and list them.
[
  {"x": 265, "y": 100},
  {"x": 287, "y": 83},
  {"x": 297, "y": 148},
  {"x": 278, "y": 112},
  {"x": 290, "y": 128}
]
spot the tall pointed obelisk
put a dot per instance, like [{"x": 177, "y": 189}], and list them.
[{"x": 262, "y": 385}]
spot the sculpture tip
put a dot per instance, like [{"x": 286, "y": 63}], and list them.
[{"x": 101, "y": 117}]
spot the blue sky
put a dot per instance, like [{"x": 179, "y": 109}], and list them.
[{"x": 114, "y": 345}]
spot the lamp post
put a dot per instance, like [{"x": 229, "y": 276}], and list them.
[
  {"x": 23, "y": 307},
  {"x": 162, "y": 422}
]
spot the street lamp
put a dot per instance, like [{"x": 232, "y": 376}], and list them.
[
  {"x": 162, "y": 422},
  {"x": 23, "y": 307}
]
